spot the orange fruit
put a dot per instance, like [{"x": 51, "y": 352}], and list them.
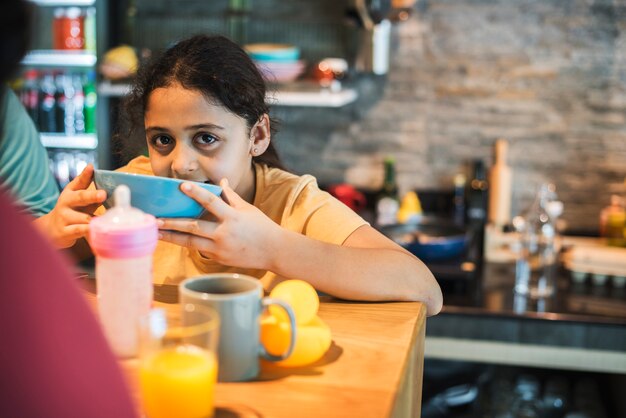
[{"x": 302, "y": 298}]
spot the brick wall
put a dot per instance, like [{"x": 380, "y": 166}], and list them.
[{"x": 549, "y": 76}]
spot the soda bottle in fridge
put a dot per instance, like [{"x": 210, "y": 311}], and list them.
[
  {"x": 79, "y": 104},
  {"x": 60, "y": 101},
  {"x": 90, "y": 103},
  {"x": 30, "y": 95},
  {"x": 47, "y": 107}
]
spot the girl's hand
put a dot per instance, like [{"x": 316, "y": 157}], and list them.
[
  {"x": 239, "y": 235},
  {"x": 69, "y": 220}
]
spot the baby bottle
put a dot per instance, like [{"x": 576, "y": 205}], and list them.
[{"x": 123, "y": 240}]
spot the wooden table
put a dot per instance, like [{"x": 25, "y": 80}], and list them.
[{"x": 373, "y": 368}]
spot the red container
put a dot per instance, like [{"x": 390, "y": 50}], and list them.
[
  {"x": 70, "y": 30},
  {"x": 57, "y": 28}
]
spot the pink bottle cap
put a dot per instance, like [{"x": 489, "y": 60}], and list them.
[{"x": 123, "y": 231}]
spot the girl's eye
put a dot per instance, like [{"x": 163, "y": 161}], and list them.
[
  {"x": 162, "y": 141},
  {"x": 205, "y": 139}
]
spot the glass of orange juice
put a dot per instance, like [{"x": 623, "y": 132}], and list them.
[{"x": 178, "y": 361}]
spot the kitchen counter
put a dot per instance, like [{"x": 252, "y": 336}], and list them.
[
  {"x": 582, "y": 327},
  {"x": 373, "y": 368}
]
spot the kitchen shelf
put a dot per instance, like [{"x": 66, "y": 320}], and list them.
[
  {"x": 53, "y": 58},
  {"x": 108, "y": 89},
  {"x": 319, "y": 98},
  {"x": 78, "y": 141},
  {"x": 305, "y": 98},
  {"x": 62, "y": 3}
]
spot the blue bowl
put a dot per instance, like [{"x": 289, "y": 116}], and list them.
[
  {"x": 158, "y": 196},
  {"x": 273, "y": 52},
  {"x": 430, "y": 239}
]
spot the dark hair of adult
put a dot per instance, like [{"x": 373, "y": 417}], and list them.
[
  {"x": 15, "y": 22},
  {"x": 212, "y": 65}
]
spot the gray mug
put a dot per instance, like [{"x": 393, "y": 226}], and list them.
[{"x": 239, "y": 301}]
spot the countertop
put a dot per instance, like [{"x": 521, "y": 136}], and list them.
[
  {"x": 582, "y": 327},
  {"x": 373, "y": 368}
]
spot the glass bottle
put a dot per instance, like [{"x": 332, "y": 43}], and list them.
[
  {"x": 613, "y": 222},
  {"x": 536, "y": 266},
  {"x": 123, "y": 240},
  {"x": 476, "y": 207},
  {"x": 387, "y": 204},
  {"x": 47, "y": 104}
]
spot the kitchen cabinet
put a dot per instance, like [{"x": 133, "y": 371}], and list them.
[{"x": 580, "y": 333}]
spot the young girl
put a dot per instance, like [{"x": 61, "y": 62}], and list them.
[{"x": 202, "y": 106}]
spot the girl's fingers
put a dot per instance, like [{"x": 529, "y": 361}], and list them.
[
  {"x": 73, "y": 217},
  {"x": 229, "y": 195},
  {"x": 82, "y": 198},
  {"x": 83, "y": 180},
  {"x": 208, "y": 200},
  {"x": 73, "y": 232},
  {"x": 187, "y": 240},
  {"x": 189, "y": 226}
]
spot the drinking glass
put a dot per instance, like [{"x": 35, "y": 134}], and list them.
[{"x": 178, "y": 361}]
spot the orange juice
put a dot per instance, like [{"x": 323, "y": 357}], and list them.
[{"x": 178, "y": 382}]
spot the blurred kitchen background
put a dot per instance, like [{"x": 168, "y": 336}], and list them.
[{"x": 547, "y": 76}]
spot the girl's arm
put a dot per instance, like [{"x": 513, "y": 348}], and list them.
[{"x": 368, "y": 266}]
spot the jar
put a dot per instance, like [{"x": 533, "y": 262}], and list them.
[
  {"x": 536, "y": 266},
  {"x": 72, "y": 30}
]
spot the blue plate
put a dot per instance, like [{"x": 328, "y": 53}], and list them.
[{"x": 158, "y": 196}]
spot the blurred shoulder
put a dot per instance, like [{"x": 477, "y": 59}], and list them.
[
  {"x": 139, "y": 165},
  {"x": 280, "y": 185}
]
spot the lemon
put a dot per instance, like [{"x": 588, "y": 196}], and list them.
[
  {"x": 312, "y": 340},
  {"x": 302, "y": 298}
]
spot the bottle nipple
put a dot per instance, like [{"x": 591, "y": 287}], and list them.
[
  {"x": 121, "y": 196},
  {"x": 122, "y": 214}
]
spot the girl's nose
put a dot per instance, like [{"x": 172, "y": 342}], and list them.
[{"x": 184, "y": 162}]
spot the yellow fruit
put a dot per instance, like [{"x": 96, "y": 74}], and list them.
[
  {"x": 410, "y": 209},
  {"x": 312, "y": 340},
  {"x": 302, "y": 298},
  {"x": 119, "y": 62}
]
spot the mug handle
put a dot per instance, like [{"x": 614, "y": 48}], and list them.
[{"x": 266, "y": 302}]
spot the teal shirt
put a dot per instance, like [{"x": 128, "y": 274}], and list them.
[{"x": 24, "y": 166}]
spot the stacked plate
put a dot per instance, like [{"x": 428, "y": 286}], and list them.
[{"x": 278, "y": 63}]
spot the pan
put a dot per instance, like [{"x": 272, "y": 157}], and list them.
[{"x": 429, "y": 239}]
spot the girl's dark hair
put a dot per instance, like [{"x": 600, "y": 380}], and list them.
[{"x": 212, "y": 65}]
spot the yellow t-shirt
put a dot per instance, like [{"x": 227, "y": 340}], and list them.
[{"x": 294, "y": 202}]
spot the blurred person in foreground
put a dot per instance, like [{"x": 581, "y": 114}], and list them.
[{"x": 54, "y": 359}]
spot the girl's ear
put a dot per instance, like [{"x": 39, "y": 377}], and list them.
[{"x": 260, "y": 136}]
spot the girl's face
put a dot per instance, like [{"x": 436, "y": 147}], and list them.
[{"x": 189, "y": 138}]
